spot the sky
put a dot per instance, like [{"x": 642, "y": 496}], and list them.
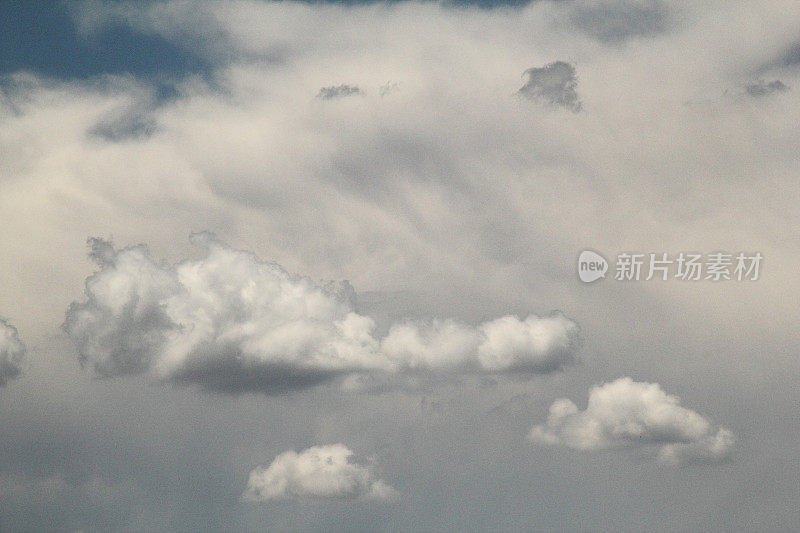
[{"x": 310, "y": 266}]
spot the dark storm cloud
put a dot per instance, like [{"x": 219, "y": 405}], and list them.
[
  {"x": 338, "y": 91},
  {"x": 763, "y": 88},
  {"x": 554, "y": 84},
  {"x": 232, "y": 323},
  {"x": 12, "y": 352}
]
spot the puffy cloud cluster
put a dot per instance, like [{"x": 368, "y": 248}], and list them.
[
  {"x": 628, "y": 414},
  {"x": 318, "y": 472},
  {"x": 554, "y": 83},
  {"x": 234, "y": 323},
  {"x": 12, "y": 351}
]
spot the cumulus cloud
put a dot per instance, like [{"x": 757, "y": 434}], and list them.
[
  {"x": 553, "y": 84},
  {"x": 763, "y": 88},
  {"x": 629, "y": 414},
  {"x": 12, "y": 351},
  {"x": 231, "y": 322},
  {"x": 338, "y": 91},
  {"x": 318, "y": 472},
  {"x": 228, "y": 321}
]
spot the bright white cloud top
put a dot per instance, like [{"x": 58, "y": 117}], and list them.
[
  {"x": 318, "y": 472},
  {"x": 629, "y": 414},
  {"x": 12, "y": 352},
  {"x": 234, "y": 323}
]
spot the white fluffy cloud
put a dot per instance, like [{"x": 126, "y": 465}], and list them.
[
  {"x": 231, "y": 322},
  {"x": 12, "y": 351},
  {"x": 318, "y": 472},
  {"x": 628, "y": 414}
]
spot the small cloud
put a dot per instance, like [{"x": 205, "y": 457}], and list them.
[
  {"x": 629, "y": 414},
  {"x": 320, "y": 472},
  {"x": 553, "y": 84},
  {"x": 763, "y": 88},
  {"x": 340, "y": 91},
  {"x": 12, "y": 352}
]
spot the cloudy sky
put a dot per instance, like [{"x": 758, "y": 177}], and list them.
[{"x": 312, "y": 266}]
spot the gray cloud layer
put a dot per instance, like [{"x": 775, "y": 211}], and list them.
[
  {"x": 629, "y": 414},
  {"x": 325, "y": 472},
  {"x": 12, "y": 352},
  {"x": 233, "y": 323}
]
